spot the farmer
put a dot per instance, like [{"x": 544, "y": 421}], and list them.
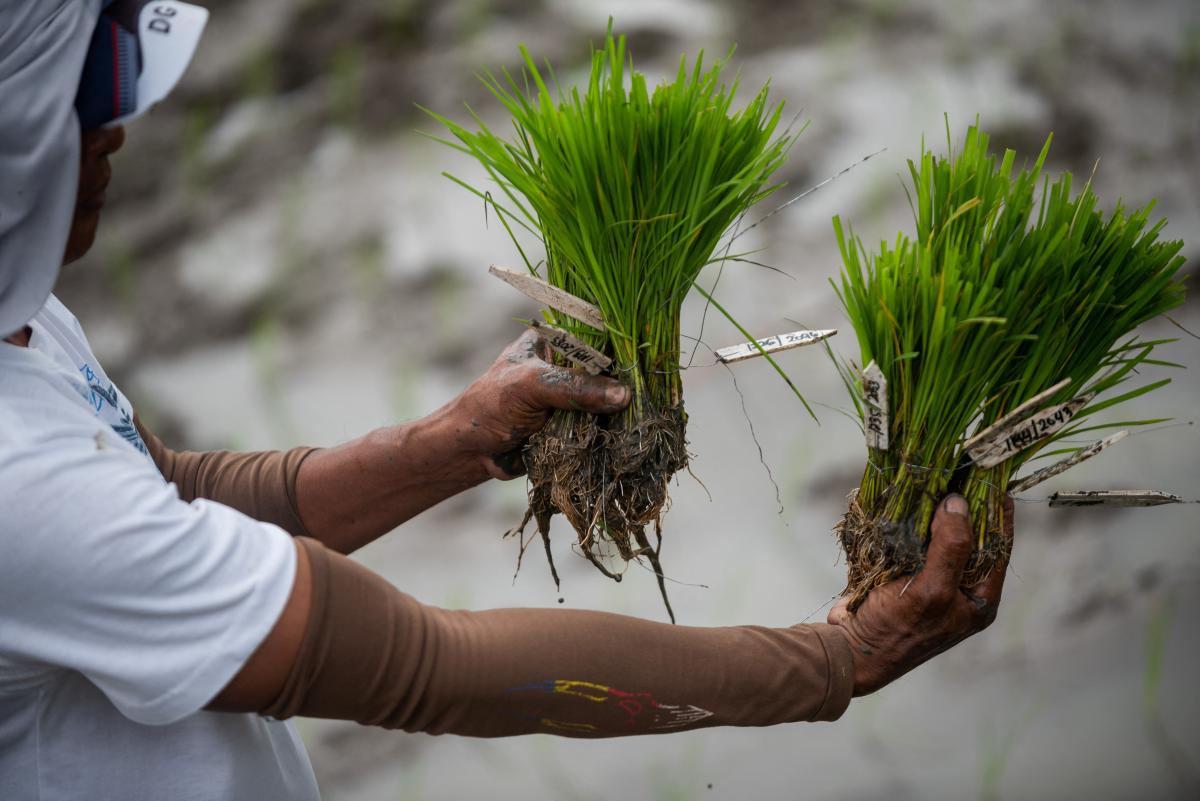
[{"x": 163, "y": 614}]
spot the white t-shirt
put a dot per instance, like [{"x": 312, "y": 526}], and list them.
[{"x": 123, "y": 610}]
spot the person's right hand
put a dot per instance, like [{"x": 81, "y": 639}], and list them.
[
  {"x": 495, "y": 416},
  {"x": 910, "y": 620}
]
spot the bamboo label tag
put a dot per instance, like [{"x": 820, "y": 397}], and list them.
[
  {"x": 1120, "y": 498},
  {"x": 1018, "y": 414},
  {"x": 1033, "y": 479},
  {"x": 876, "y": 398},
  {"x": 749, "y": 350},
  {"x": 1013, "y": 439},
  {"x": 552, "y": 296},
  {"x": 571, "y": 348}
]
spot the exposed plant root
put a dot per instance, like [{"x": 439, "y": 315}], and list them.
[
  {"x": 608, "y": 477},
  {"x": 880, "y": 551},
  {"x": 652, "y": 556}
]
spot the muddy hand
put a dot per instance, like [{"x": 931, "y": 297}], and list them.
[
  {"x": 515, "y": 398},
  {"x": 908, "y": 621}
]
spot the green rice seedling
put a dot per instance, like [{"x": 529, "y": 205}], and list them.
[
  {"x": 630, "y": 190},
  {"x": 1004, "y": 293}
]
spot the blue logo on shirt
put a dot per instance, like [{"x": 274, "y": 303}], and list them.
[{"x": 124, "y": 427}]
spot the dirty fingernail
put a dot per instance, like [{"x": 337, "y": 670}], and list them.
[
  {"x": 956, "y": 505},
  {"x": 617, "y": 395}
]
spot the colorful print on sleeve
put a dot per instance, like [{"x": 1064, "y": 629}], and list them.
[{"x": 632, "y": 711}]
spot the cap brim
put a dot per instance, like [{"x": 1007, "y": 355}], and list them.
[{"x": 168, "y": 34}]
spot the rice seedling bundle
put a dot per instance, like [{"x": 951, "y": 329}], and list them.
[
  {"x": 630, "y": 190},
  {"x": 1005, "y": 293}
]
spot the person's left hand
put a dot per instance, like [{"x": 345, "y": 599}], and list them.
[{"x": 497, "y": 413}]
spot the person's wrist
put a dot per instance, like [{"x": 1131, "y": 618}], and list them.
[
  {"x": 842, "y": 677},
  {"x": 866, "y": 669},
  {"x": 446, "y": 446}
]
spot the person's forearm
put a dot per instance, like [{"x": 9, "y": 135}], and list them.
[
  {"x": 261, "y": 484},
  {"x": 354, "y": 493},
  {"x": 374, "y": 655},
  {"x": 345, "y": 496},
  {"x": 350, "y": 495}
]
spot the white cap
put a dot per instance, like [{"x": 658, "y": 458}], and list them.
[
  {"x": 43, "y": 45},
  {"x": 168, "y": 33}
]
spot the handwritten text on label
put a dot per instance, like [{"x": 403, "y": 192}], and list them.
[
  {"x": 876, "y": 397},
  {"x": 748, "y": 350},
  {"x": 1018, "y": 414},
  {"x": 571, "y": 348},
  {"x": 1014, "y": 439}
]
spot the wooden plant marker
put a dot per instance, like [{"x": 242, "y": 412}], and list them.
[
  {"x": 1016, "y": 415},
  {"x": 569, "y": 347},
  {"x": 1016, "y": 437},
  {"x": 773, "y": 344},
  {"x": 1117, "y": 498},
  {"x": 1033, "y": 479},
  {"x": 875, "y": 396},
  {"x": 552, "y": 296}
]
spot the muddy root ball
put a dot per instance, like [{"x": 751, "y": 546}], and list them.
[
  {"x": 608, "y": 477},
  {"x": 880, "y": 551}
]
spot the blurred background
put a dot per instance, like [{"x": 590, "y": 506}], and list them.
[{"x": 282, "y": 262}]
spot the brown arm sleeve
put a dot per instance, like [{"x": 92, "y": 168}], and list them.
[
  {"x": 261, "y": 484},
  {"x": 374, "y": 655}
]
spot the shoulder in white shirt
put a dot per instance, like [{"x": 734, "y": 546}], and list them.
[{"x": 123, "y": 610}]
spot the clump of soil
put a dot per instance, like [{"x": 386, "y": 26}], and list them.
[
  {"x": 608, "y": 477},
  {"x": 879, "y": 551}
]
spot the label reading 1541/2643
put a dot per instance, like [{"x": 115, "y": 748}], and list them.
[{"x": 1019, "y": 436}]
